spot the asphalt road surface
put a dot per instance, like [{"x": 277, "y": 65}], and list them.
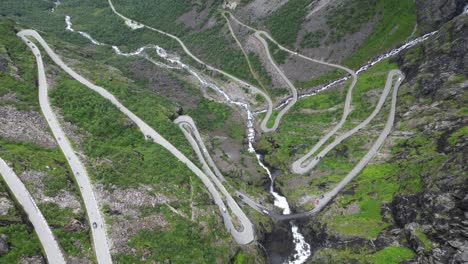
[
  {"x": 245, "y": 84},
  {"x": 347, "y": 108},
  {"x": 24, "y": 198},
  {"x": 292, "y": 88},
  {"x": 190, "y": 131},
  {"x": 355, "y": 171},
  {"x": 101, "y": 246},
  {"x": 244, "y": 237},
  {"x": 298, "y": 167}
]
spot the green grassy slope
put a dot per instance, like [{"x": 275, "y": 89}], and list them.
[{"x": 20, "y": 80}]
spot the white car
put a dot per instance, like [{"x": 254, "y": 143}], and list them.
[
  {"x": 265, "y": 212},
  {"x": 224, "y": 209}
]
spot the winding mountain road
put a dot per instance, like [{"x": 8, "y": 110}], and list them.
[
  {"x": 254, "y": 89},
  {"x": 188, "y": 127},
  {"x": 245, "y": 236},
  {"x": 197, "y": 143},
  {"x": 297, "y": 166},
  {"x": 293, "y": 100},
  {"x": 292, "y": 88},
  {"x": 24, "y": 198},
  {"x": 359, "y": 167},
  {"x": 98, "y": 229}
]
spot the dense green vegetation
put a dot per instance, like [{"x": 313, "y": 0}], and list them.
[
  {"x": 159, "y": 14},
  {"x": 134, "y": 160},
  {"x": 324, "y": 79},
  {"x": 19, "y": 79},
  {"x": 396, "y": 21},
  {"x": 216, "y": 46},
  {"x": 210, "y": 115},
  {"x": 388, "y": 255},
  {"x": 312, "y": 39},
  {"x": 278, "y": 54},
  {"x": 392, "y": 254},
  {"x": 459, "y": 133},
  {"x": 21, "y": 237},
  {"x": 374, "y": 187},
  {"x": 348, "y": 17},
  {"x": 285, "y": 23},
  {"x": 17, "y": 60},
  {"x": 97, "y": 19},
  {"x": 257, "y": 66},
  {"x": 23, "y": 243},
  {"x": 183, "y": 241},
  {"x": 36, "y": 13}
]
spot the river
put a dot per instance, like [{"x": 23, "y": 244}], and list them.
[{"x": 301, "y": 250}]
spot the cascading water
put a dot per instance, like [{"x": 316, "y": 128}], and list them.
[
  {"x": 364, "y": 68},
  {"x": 302, "y": 248}
]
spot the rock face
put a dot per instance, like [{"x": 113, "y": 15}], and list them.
[
  {"x": 32, "y": 260},
  {"x": 24, "y": 126},
  {"x": 434, "y": 13},
  {"x": 4, "y": 247},
  {"x": 437, "y": 73},
  {"x": 429, "y": 212}
]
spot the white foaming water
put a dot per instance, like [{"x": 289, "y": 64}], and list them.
[
  {"x": 84, "y": 34},
  {"x": 302, "y": 248},
  {"x": 364, "y": 68},
  {"x": 465, "y": 10}
]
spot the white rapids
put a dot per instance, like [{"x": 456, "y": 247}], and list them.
[
  {"x": 364, "y": 68},
  {"x": 302, "y": 248}
]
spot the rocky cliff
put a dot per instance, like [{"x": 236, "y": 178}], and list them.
[
  {"x": 432, "y": 14},
  {"x": 427, "y": 218},
  {"x": 437, "y": 73}
]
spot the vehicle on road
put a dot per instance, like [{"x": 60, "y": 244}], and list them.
[
  {"x": 94, "y": 225},
  {"x": 265, "y": 212}
]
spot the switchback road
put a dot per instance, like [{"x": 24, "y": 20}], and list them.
[
  {"x": 357, "y": 169},
  {"x": 96, "y": 221},
  {"x": 24, "y": 198},
  {"x": 190, "y": 131},
  {"x": 245, "y": 236},
  {"x": 297, "y": 166}
]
